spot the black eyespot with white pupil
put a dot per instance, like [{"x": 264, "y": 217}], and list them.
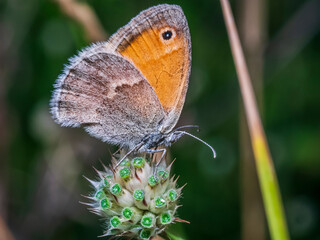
[{"x": 167, "y": 35}]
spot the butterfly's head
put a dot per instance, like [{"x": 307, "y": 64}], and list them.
[
  {"x": 172, "y": 137},
  {"x": 160, "y": 139}
]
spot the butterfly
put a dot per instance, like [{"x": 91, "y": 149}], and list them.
[{"x": 130, "y": 90}]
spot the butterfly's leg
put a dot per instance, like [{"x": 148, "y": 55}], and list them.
[
  {"x": 153, "y": 156},
  {"x": 164, "y": 151},
  {"x": 113, "y": 154},
  {"x": 128, "y": 153}
]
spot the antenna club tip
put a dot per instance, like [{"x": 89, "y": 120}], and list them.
[{"x": 214, "y": 154}]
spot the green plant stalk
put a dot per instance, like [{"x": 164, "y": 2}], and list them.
[
  {"x": 264, "y": 165},
  {"x": 269, "y": 188}
]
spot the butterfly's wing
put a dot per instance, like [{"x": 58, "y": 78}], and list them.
[
  {"x": 106, "y": 94},
  {"x": 165, "y": 63}
]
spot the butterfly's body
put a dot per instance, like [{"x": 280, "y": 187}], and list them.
[{"x": 130, "y": 90}]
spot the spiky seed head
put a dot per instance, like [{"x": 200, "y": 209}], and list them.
[{"x": 134, "y": 202}]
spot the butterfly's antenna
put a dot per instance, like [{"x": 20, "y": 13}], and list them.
[
  {"x": 188, "y": 126},
  {"x": 213, "y": 151}
]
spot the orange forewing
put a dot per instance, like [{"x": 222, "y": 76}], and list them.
[{"x": 165, "y": 64}]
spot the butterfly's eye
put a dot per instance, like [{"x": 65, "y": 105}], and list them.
[{"x": 167, "y": 35}]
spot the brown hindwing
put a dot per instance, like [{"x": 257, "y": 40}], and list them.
[{"x": 105, "y": 93}]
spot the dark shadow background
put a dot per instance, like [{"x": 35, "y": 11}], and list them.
[{"x": 41, "y": 164}]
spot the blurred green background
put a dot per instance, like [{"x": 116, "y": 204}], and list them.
[{"x": 42, "y": 164}]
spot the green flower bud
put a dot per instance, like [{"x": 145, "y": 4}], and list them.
[
  {"x": 127, "y": 213},
  {"x": 172, "y": 195},
  {"x": 160, "y": 202},
  {"x": 116, "y": 189},
  {"x": 106, "y": 184},
  {"x": 125, "y": 163},
  {"x": 138, "y": 195},
  {"x": 163, "y": 175},
  {"x": 138, "y": 162},
  {"x": 165, "y": 218},
  {"x": 145, "y": 234},
  {"x": 115, "y": 221},
  {"x": 105, "y": 204},
  {"x": 152, "y": 181},
  {"x": 125, "y": 173},
  {"x": 148, "y": 220},
  {"x": 99, "y": 195}
]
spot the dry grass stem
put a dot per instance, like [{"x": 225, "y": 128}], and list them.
[
  {"x": 83, "y": 14},
  {"x": 264, "y": 164},
  {"x": 5, "y": 232}
]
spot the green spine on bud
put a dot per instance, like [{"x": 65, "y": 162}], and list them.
[
  {"x": 159, "y": 202},
  {"x": 105, "y": 204},
  {"x": 148, "y": 220},
  {"x": 138, "y": 195},
  {"x": 152, "y": 181},
  {"x": 115, "y": 221},
  {"x": 165, "y": 218},
  {"x": 138, "y": 162},
  {"x": 116, "y": 189},
  {"x": 172, "y": 195},
  {"x": 125, "y": 173},
  {"x": 145, "y": 234},
  {"x": 127, "y": 213}
]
